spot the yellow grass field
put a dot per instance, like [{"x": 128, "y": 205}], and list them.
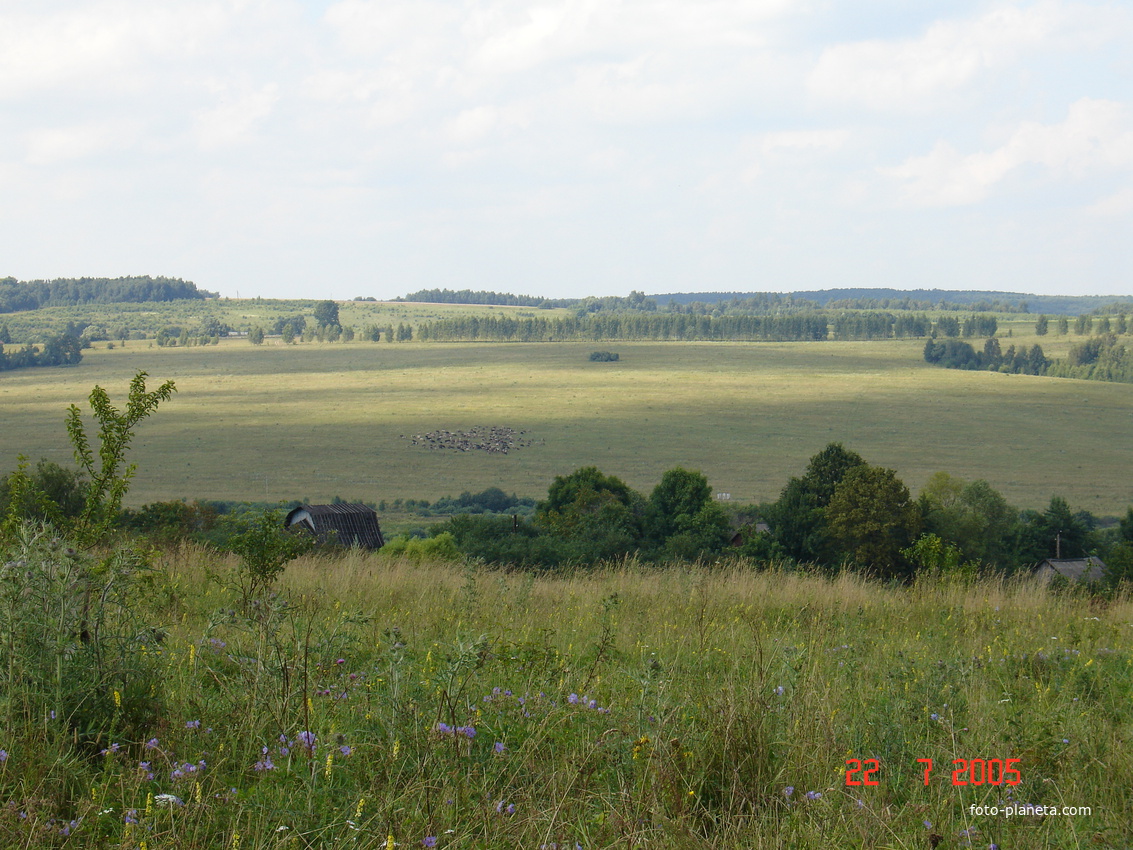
[{"x": 314, "y": 421}]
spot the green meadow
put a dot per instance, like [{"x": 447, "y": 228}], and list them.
[
  {"x": 313, "y": 421},
  {"x": 378, "y": 703}
]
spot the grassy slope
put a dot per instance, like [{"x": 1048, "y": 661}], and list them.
[
  {"x": 314, "y": 421},
  {"x": 721, "y": 688}
]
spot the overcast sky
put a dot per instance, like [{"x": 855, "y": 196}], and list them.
[{"x": 570, "y": 147}]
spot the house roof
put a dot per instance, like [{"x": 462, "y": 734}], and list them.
[
  {"x": 344, "y": 524},
  {"x": 1074, "y": 569}
]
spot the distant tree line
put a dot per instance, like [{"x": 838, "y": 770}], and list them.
[
  {"x": 469, "y": 296},
  {"x": 625, "y": 326},
  {"x": 920, "y": 300},
  {"x": 957, "y": 354},
  {"x": 691, "y": 326},
  {"x": 31, "y": 295},
  {"x": 1084, "y": 325},
  {"x": 65, "y": 349},
  {"x": 1102, "y": 358}
]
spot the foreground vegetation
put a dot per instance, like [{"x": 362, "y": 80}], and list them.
[{"x": 372, "y": 701}]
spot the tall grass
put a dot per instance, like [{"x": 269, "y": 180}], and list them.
[{"x": 373, "y": 701}]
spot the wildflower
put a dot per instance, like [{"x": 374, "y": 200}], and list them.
[
  {"x": 307, "y": 739},
  {"x": 789, "y": 790},
  {"x": 3, "y": 756},
  {"x": 928, "y": 824},
  {"x": 152, "y": 744},
  {"x": 192, "y": 724},
  {"x": 467, "y": 731},
  {"x": 168, "y": 800},
  {"x": 813, "y": 795},
  {"x": 573, "y": 699},
  {"x": 934, "y": 717},
  {"x": 131, "y": 816},
  {"x": 444, "y": 728},
  {"x": 345, "y": 750},
  {"x": 340, "y": 661},
  {"x": 113, "y": 748},
  {"x": 779, "y": 691},
  {"x": 499, "y": 747},
  {"x": 429, "y": 841}
]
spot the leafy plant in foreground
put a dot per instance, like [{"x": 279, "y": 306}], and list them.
[{"x": 109, "y": 477}]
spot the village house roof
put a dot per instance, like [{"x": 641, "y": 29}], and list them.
[
  {"x": 342, "y": 524},
  {"x": 1072, "y": 569}
]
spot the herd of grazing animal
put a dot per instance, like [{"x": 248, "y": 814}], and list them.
[{"x": 495, "y": 439}]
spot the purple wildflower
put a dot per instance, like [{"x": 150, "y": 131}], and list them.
[
  {"x": 813, "y": 795},
  {"x": 3, "y": 756},
  {"x": 345, "y": 750},
  {"x": 573, "y": 699},
  {"x": 499, "y": 747},
  {"x": 307, "y": 739},
  {"x": 192, "y": 724},
  {"x": 789, "y": 790},
  {"x": 467, "y": 731},
  {"x": 152, "y": 744},
  {"x": 429, "y": 841}
]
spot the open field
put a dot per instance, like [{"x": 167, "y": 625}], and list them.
[
  {"x": 422, "y": 704},
  {"x": 314, "y": 421},
  {"x": 241, "y": 314}
]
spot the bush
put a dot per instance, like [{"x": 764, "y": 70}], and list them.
[
  {"x": 604, "y": 356},
  {"x": 74, "y": 647}
]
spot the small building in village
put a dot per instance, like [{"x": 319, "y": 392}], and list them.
[
  {"x": 341, "y": 524},
  {"x": 1072, "y": 569}
]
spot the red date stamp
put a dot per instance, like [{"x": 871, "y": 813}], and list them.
[{"x": 965, "y": 771}]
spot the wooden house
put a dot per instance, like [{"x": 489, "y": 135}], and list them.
[
  {"x": 342, "y": 525},
  {"x": 1071, "y": 569}
]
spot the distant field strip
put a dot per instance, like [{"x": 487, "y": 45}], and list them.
[{"x": 315, "y": 421}]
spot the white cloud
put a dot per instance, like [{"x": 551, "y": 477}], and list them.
[
  {"x": 951, "y": 54},
  {"x": 1096, "y": 135},
  {"x": 76, "y": 142},
  {"x": 99, "y": 44},
  {"x": 232, "y": 121}
]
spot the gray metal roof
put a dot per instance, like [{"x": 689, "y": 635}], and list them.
[{"x": 343, "y": 524}]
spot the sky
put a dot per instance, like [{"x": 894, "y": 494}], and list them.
[{"x": 292, "y": 149}]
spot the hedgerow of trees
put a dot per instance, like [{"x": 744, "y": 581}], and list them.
[
  {"x": 1101, "y": 358},
  {"x": 18, "y": 295}
]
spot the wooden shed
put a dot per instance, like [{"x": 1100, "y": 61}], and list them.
[
  {"x": 342, "y": 524},
  {"x": 1071, "y": 569}
]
